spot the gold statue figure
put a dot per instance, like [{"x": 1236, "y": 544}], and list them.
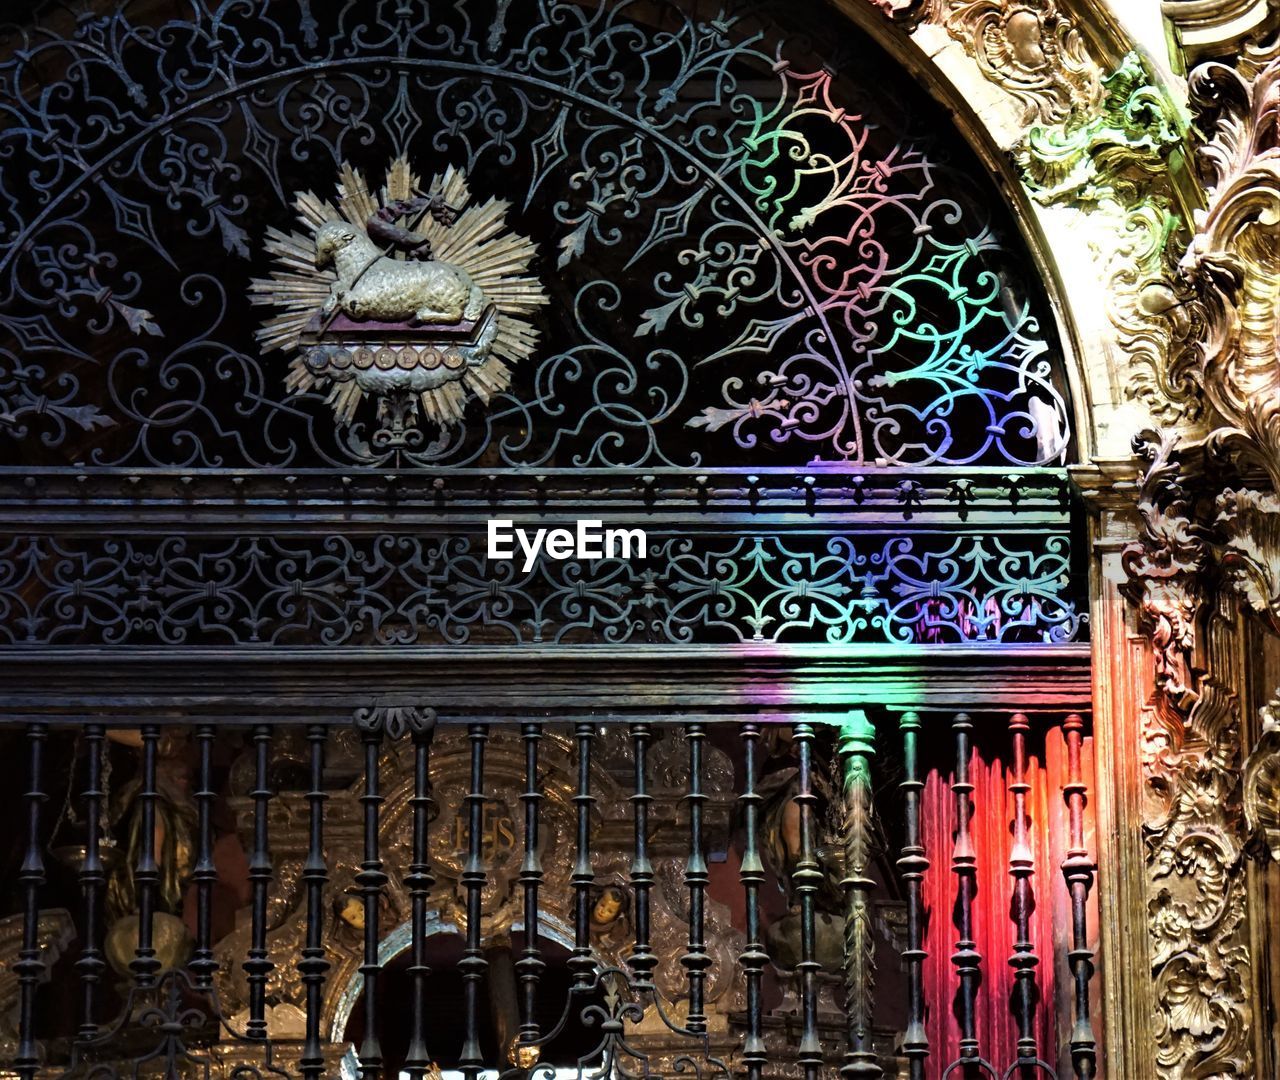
[
  {"x": 372, "y": 285},
  {"x": 418, "y": 297}
]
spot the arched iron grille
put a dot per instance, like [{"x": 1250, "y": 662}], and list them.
[
  {"x": 824, "y": 748},
  {"x": 753, "y": 253}
]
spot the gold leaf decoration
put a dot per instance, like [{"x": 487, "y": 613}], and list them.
[{"x": 411, "y": 364}]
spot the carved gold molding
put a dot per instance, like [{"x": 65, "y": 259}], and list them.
[
  {"x": 1197, "y": 912},
  {"x": 1029, "y": 48},
  {"x": 1203, "y": 801},
  {"x": 1233, "y": 263},
  {"x": 1165, "y": 570},
  {"x": 1215, "y": 27},
  {"x": 1229, "y": 297},
  {"x": 1197, "y": 909},
  {"x": 1232, "y": 268},
  {"x": 1115, "y": 154},
  {"x": 1249, "y": 552},
  {"x": 1126, "y": 160},
  {"x": 1262, "y": 783}
]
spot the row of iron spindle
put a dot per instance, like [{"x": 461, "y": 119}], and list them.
[
  {"x": 1077, "y": 868},
  {"x": 856, "y": 746}
]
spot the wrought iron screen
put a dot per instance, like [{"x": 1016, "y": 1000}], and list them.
[
  {"x": 732, "y": 558},
  {"x": 719, "y": 272},
  {"x": 752, "y": 252}
]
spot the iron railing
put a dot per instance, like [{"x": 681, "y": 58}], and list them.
[{"x": 851, "y": 817}]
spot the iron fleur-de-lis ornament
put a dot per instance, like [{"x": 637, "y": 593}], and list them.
[{"x": 418, "y": 298}]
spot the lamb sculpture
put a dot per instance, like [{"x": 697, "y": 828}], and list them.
[{"x": 372, "y": 286}]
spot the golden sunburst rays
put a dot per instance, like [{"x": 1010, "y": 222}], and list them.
[{"x": 478, "y": 241}]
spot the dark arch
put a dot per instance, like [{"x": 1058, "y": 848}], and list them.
[{"x": 185, "y": 409}]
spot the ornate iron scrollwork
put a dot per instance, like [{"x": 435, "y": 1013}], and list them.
[
  {"x": 395, "y": 720},
  {"x": 923, "y": 588},
  {"x": 750, "y": 253}
]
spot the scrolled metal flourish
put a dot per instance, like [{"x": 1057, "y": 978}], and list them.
[
  {"x": 807, "y": 271},
  {"x": 607, "y": 1005},
  {"x": 395, "y": 721},
  {"x": 928, "y": 588}
]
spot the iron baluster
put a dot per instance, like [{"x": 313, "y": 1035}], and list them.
[
  {"x": 93, "y": 879},
  {"x": 146, "y": 874},
  {"x": 473, "y": 964},
  {"x": 204, "y": 874},
  {"x": 912, "y": 865},
  {"x": 857, "y": 746},
  {"x": 695, "y": 960},
  {"x": 964, "y": 864},
  {"x": 418, "y": 881},
  {"x": 371, "y": 879},
  {"x": 806, "y": 879},
  {"x": 1078, "y": 869},
  {"x": 583, "y": 878},
  {"x": 1021, "y": 866},
  {"x": 642, "y": 959},
  {"x": 753, "y": 957},
  {"x": 258, "y": 965},
  {"x": 30, "y": 966},
  {"x": 312, "y": 963},
  {"x": 530, "y": 965}
]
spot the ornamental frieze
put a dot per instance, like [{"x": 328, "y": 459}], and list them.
[{"x": 396, "y": 590}]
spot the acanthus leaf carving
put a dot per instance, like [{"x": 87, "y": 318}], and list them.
[
  {"x": 1029, "y": 48},
  {"x": 1164, "y": 567},
  {"x": 1219, "y": 354},
  {"x": 1247, "y": 546},
  {"x": 1232, "y": 266},
  {"x": 1111, "y": 154},
  {"x": 1124, "y": 160},
  {"x": 1194, "y": 820},
  {"x": 1198, "y": 934},
  {"x": 1248, "y": 524},
  {"x": 1156, "y": 326},
  {"x": 1233, "y": 262},
  {"x": 1262, "y": 783}
]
